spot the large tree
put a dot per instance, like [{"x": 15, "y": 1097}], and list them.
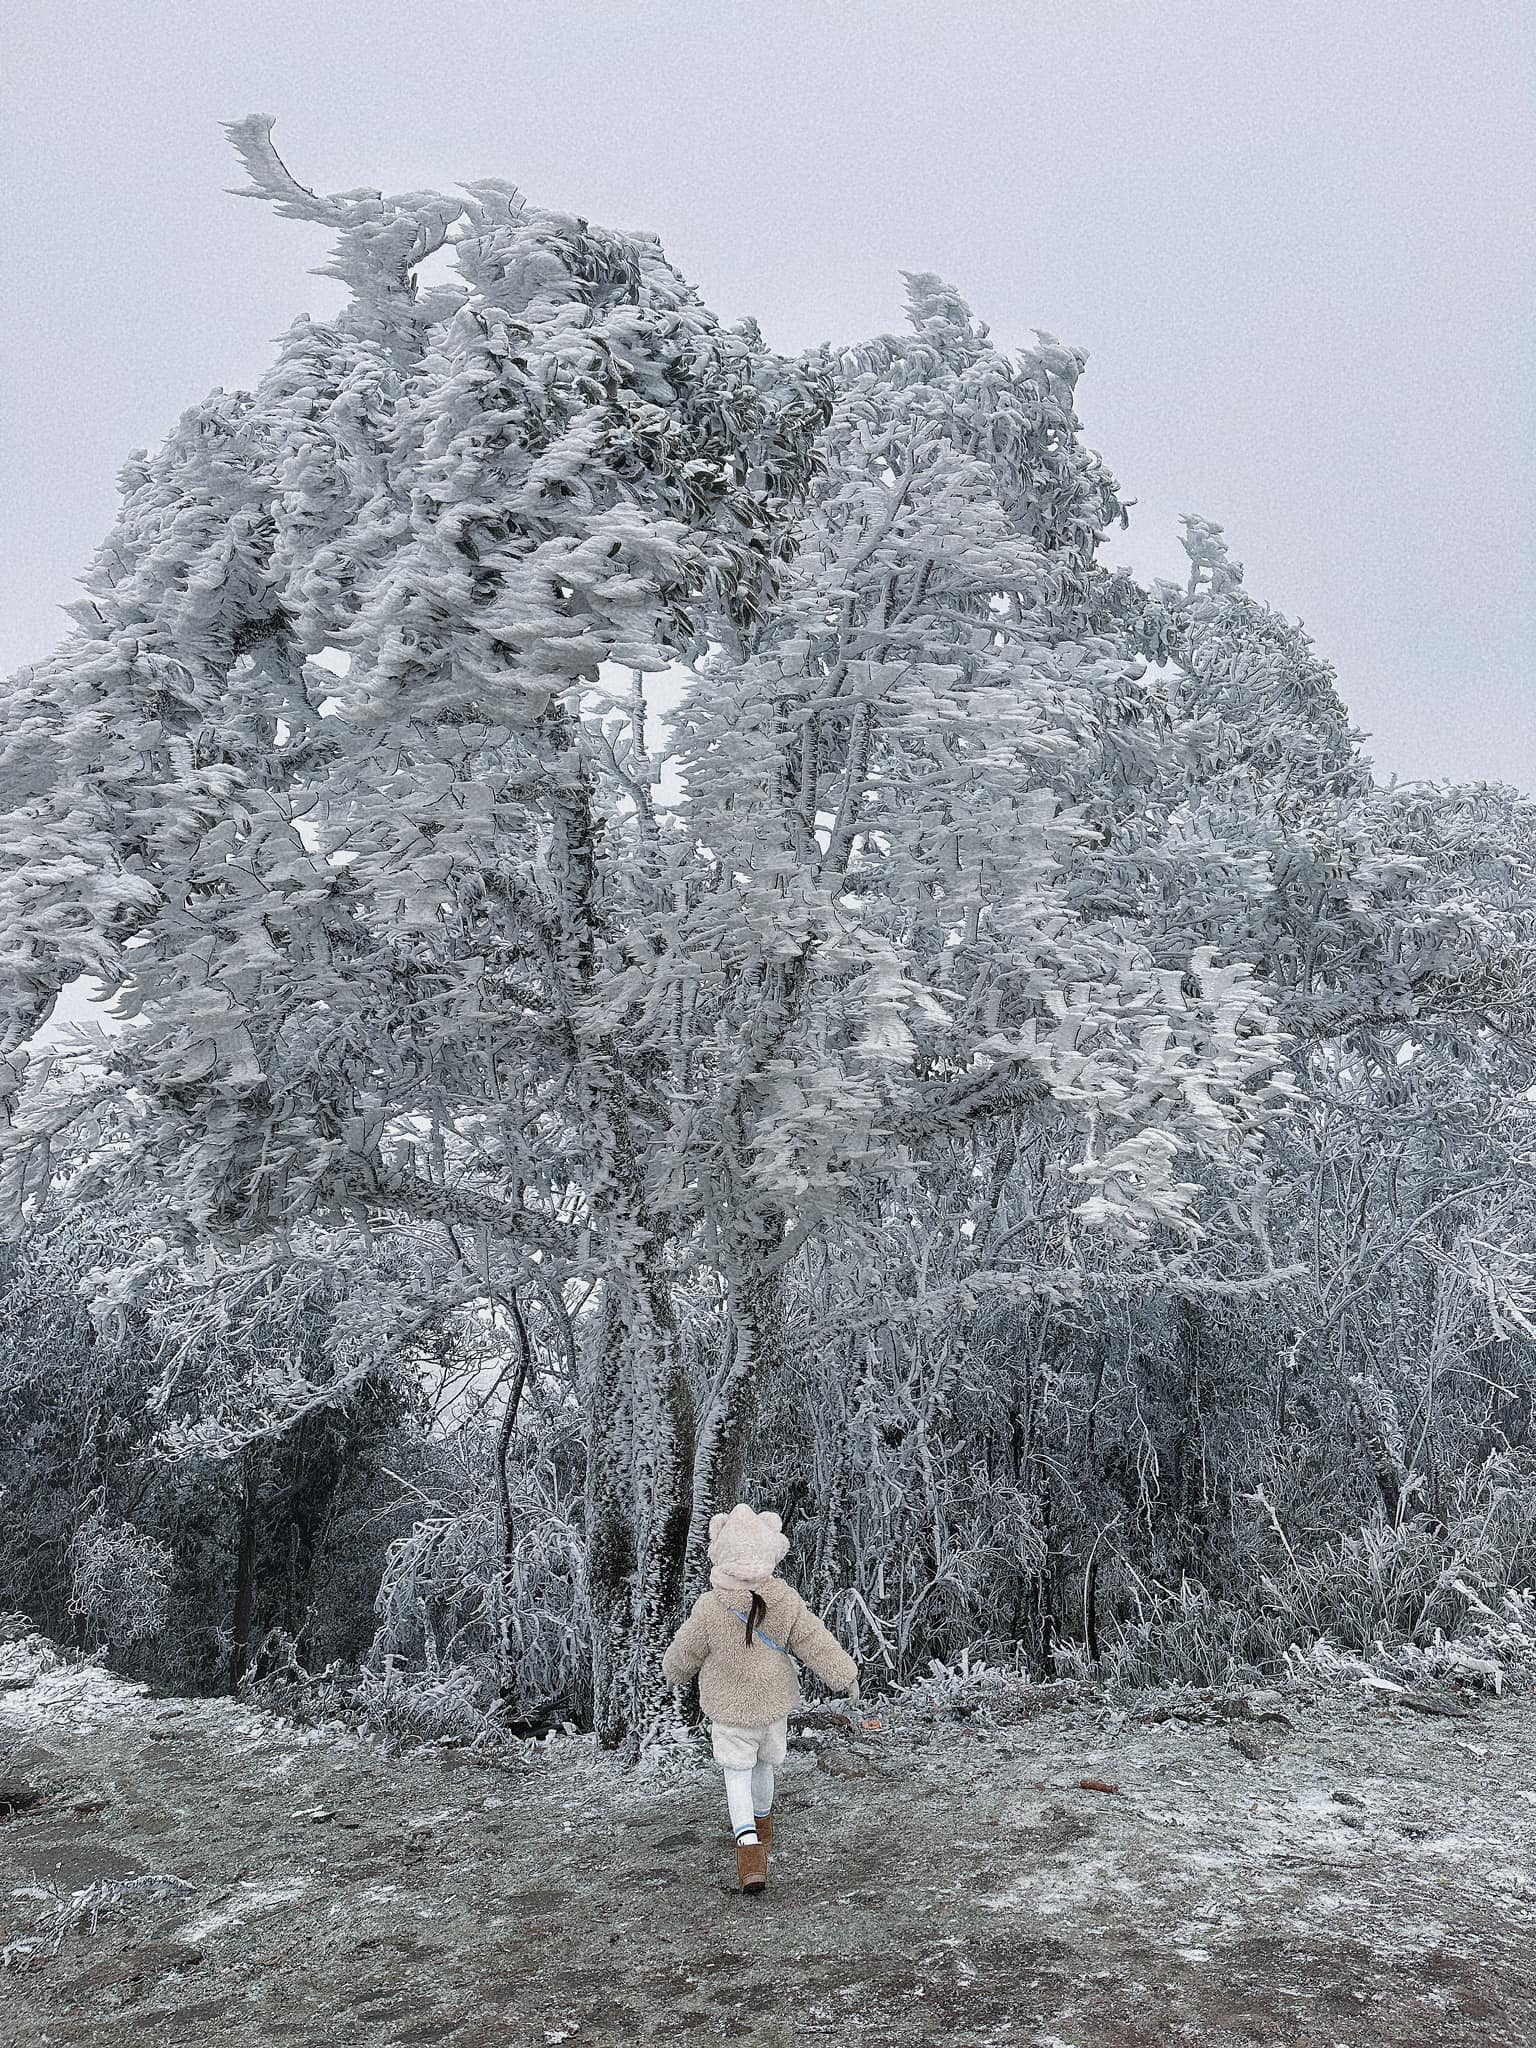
[{"x": 347, "y": 784}]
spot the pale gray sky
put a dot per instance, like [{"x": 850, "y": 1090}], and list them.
[{"x": 1297, "y": 241}]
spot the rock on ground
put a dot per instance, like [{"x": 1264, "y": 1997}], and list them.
[{"x": 1364, "y": 1879}]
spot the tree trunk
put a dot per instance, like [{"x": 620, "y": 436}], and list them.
[
  {"x": 245, "y": 1575},
  {"x": 504, "y": 1492},
  {"x": 638, "y": 1497},
  {"x": 639, "y": 1484}
]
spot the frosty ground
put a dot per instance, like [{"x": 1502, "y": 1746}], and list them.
[{"x": 1307, "y": 1870}]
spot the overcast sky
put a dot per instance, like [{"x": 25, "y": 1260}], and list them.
[{"x": 1296, "y": 241}]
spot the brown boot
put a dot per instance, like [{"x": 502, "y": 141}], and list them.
[
  {"x": 764, "y": 1830},
  {"x": 751, "y": 1866}
]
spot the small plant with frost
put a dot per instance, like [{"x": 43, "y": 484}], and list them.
[{"x": 82, "y": 1912}]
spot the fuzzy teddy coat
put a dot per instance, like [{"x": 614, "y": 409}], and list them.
[{"x": 749, "y": 1685}]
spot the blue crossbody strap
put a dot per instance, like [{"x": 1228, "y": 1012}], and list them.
[{"x": 757, "y": 1633}]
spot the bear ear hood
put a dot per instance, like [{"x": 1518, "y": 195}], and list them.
[{"x": 744, "y": 1547}]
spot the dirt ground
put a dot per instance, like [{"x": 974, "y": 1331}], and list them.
[{"x": 1363, "y": 1877}]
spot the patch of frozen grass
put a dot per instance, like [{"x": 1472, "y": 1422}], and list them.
[
  {"x": 248, "y": 1900},
  {"x": 24, "y": 1656},
  {"x": 990, "y": 1694},
  {"x": 61, "y": 1695}
]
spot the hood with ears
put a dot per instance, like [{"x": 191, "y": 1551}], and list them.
[{"x": 744, "y": 1547}]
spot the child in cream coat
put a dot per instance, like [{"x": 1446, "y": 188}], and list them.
[{"x": 741, "y": 1641}]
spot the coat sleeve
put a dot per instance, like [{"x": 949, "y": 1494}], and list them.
[
  {"x": 818, "y": 1647},
  {"x": 687, "y": 1650}
]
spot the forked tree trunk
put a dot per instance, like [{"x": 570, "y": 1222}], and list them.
[
  {"x": 756, "y": 1344},
  {"x": 640, "y": 1419}
]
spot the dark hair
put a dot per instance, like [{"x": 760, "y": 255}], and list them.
[{"x": 755, "y": 1613}]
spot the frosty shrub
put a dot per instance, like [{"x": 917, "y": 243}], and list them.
[
  {"x": 120, "y": 1584},
  {"x": 470, "y": 1624}
]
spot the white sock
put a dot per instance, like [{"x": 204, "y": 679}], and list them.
[
  {"x": 738, "y": 1797},
  {"x": 762, "y": 1789}
]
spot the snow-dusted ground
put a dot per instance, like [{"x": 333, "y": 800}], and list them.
[{"x": 1366, "y": 1876}]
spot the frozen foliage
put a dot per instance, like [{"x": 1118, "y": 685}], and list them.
[
  {"x": 1491, "y": 1644},
  {"x": 678, "y": 930}
]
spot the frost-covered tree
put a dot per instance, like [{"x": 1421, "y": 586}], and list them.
[{"x": 673, "y": 883}]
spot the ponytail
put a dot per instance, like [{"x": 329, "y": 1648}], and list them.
[{"x": 755, "y": 1614}]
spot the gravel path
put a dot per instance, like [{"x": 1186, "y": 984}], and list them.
[{"x": 1363, "y": 1876}]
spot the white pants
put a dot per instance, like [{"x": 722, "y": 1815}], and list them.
[{"x": 738, "y": 1749}]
